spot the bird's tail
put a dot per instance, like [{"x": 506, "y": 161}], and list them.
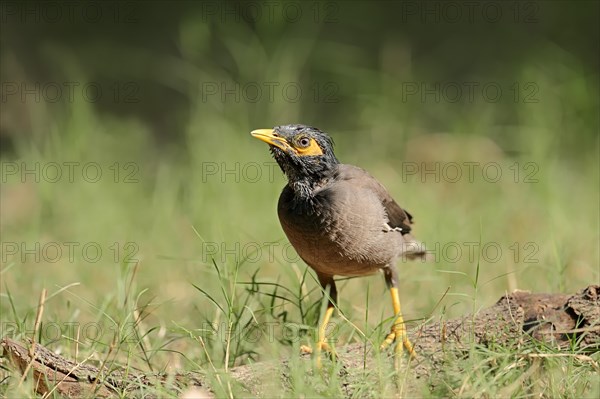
[{"x": 413, "y": 249}]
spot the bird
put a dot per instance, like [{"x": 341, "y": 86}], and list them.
[{"x": 340, "y": 220}]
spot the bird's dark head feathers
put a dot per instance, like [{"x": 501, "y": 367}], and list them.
[{"x": 302, "y": 152}]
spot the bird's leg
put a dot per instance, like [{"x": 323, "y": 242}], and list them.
[
  {"x": 398, "y": 328},
  {"x": 321, "y": 344}
]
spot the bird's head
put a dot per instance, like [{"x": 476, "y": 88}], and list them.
[{"x": 302, "y": 152}]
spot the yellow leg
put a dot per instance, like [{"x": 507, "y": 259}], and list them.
[
  {"x": 328, "y": 285},
  {"x": 398, "y": 329},
  {"x": 321, "y": 344}
]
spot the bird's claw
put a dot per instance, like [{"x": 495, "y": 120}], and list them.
[
  {"x": 399, "y": 334},
  {"x": 320, "y": 347}
]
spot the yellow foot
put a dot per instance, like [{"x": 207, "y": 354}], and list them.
[
  {"x": 320, "y": 347},
  {"x": 398, "y": 331},
  {"x": 399, "y": 334}
]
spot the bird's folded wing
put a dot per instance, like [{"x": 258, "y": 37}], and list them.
[{"x": 398, "y": 218}]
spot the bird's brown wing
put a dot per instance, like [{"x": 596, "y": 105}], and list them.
[{"x": 397, "y": 217}]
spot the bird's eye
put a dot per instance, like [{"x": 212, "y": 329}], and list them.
[{"x": 304, "y": 142}]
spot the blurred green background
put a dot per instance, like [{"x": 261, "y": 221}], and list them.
[{"x": 160, "y": 97}]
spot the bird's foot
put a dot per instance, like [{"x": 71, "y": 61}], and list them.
[
  {"x": 398, "y": 334},
  {"x": 320, "y": 347},
  {"x": 321, "y": 344}
]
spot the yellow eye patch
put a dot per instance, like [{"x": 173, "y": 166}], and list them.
[{"x": 312, "y": 149}]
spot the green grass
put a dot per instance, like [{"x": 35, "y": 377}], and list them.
[
  {"x": 159, "y": 309},
  {"x": 195, "y": 273}
]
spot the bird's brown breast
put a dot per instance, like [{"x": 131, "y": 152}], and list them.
[{"x": 341, "y": 230}]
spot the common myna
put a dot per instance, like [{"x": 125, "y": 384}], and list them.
[{"x": 340, "y": 220}]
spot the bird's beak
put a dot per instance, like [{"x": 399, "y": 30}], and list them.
[{"x": 270, "y": 137}]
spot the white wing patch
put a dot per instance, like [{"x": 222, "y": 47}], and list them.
[{"x": 387, "y": 228}]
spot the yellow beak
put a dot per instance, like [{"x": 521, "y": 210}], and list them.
[{"x": 272, "y": 138}]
